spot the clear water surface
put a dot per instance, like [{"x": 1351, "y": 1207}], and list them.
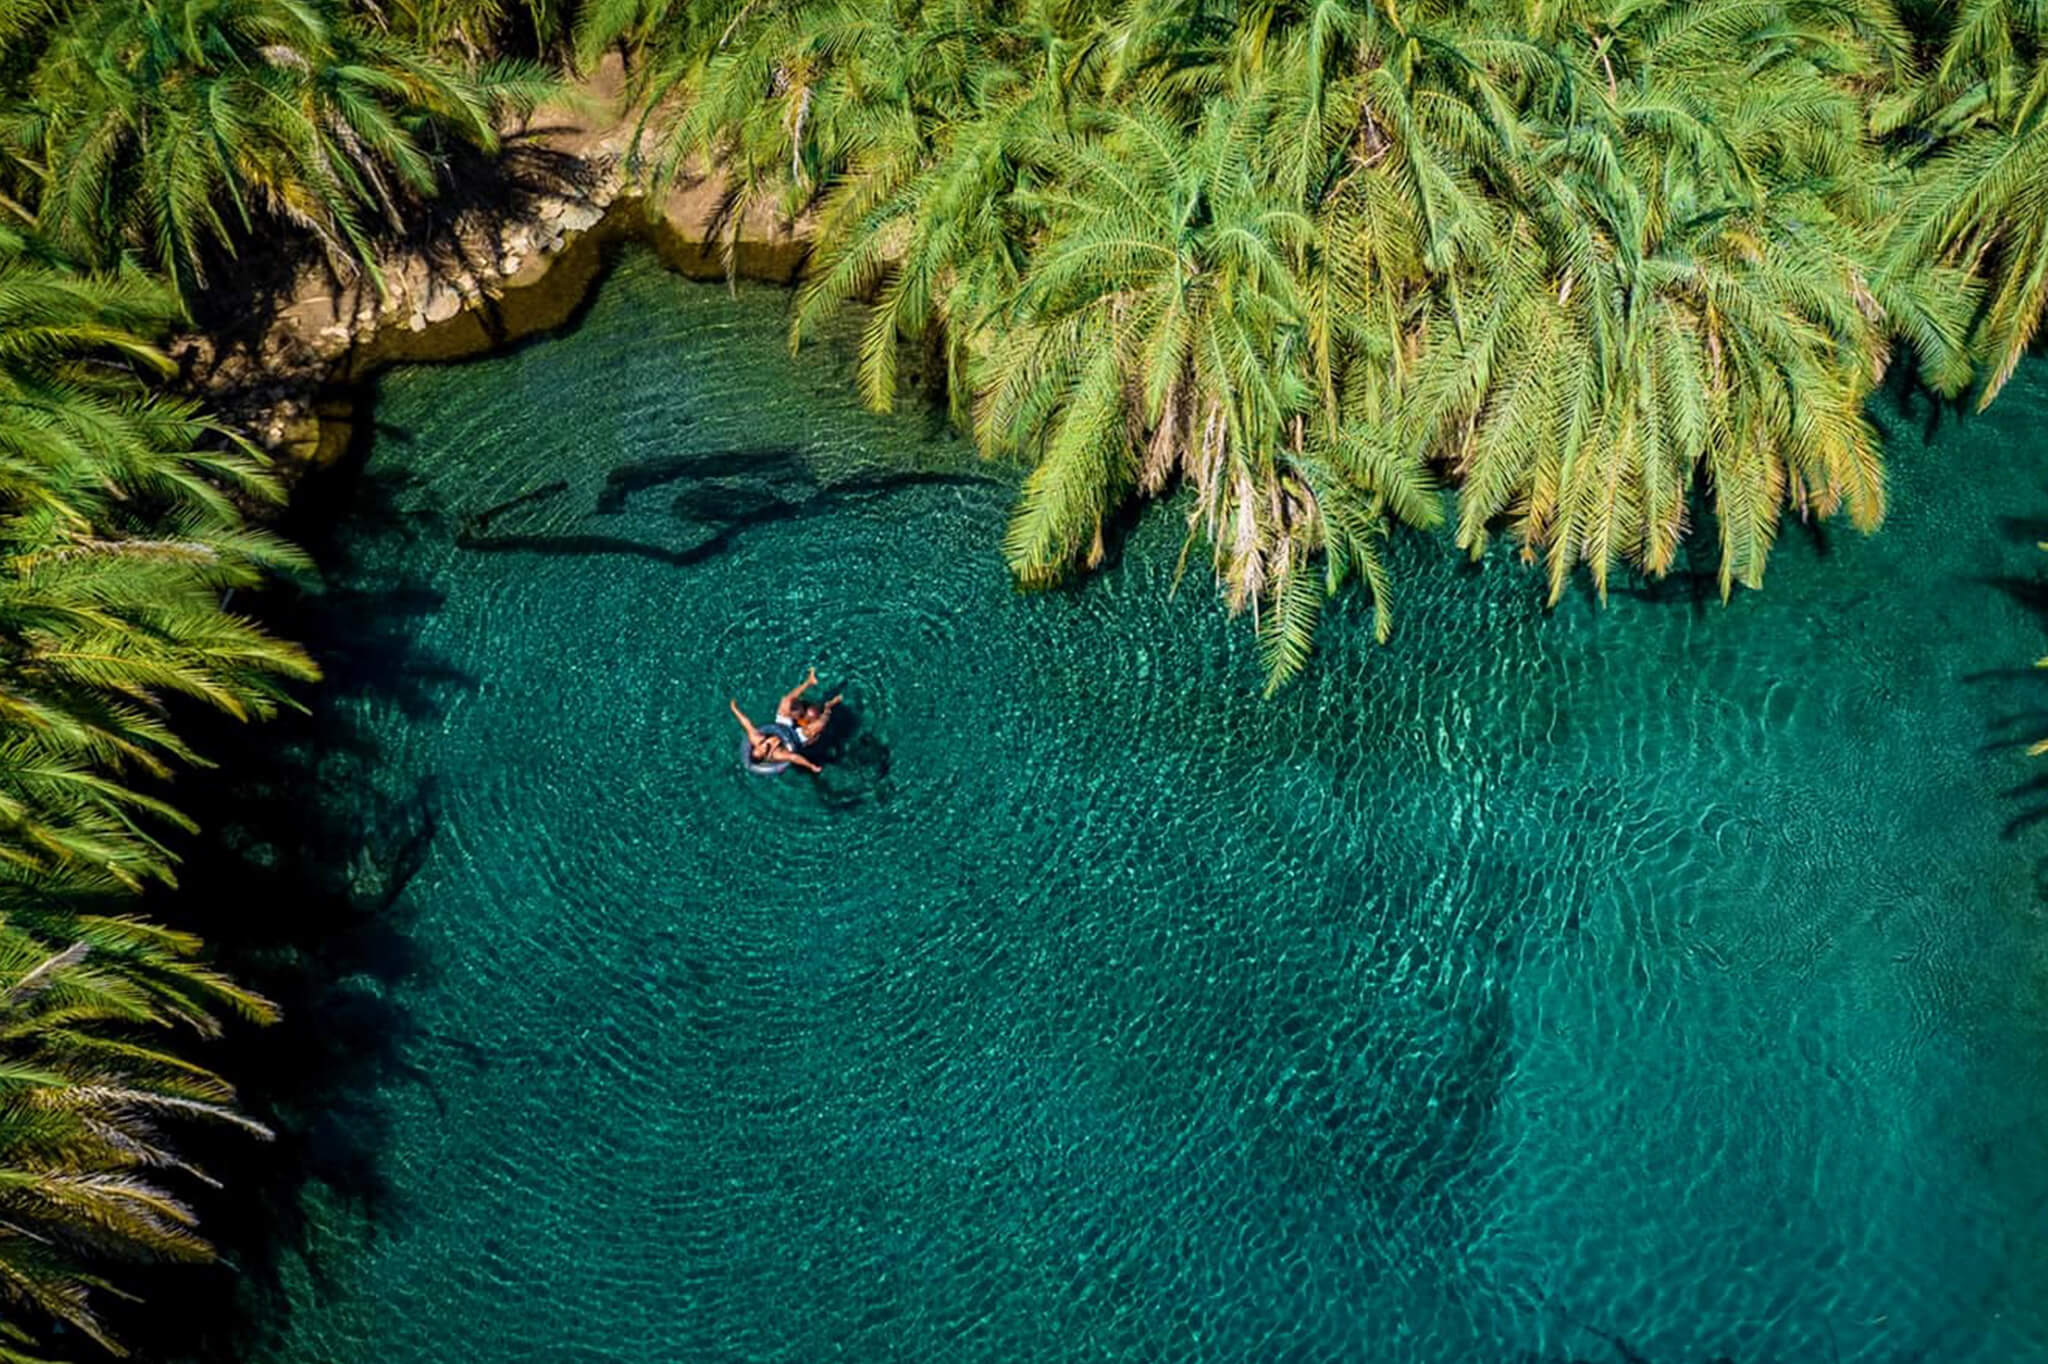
[{"x": 1662, "y": 984}]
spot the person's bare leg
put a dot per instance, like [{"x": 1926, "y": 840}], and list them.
[{"x": 784, "y": 707}]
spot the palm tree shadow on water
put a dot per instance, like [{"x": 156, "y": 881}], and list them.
[
  {"x": 717, "y": 499},
  {"x": 297, "y": 881},
  {"x": 298, "y": 877},
  {"x": 2026, "y": 721}
]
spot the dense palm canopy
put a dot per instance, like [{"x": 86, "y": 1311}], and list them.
[
  {"x": 1612, "y": 270},
  {"x": 1978, "y": 125},
  {"x": 121, "y": 531},
  {"x": 171, "y": 128},
  {"x": 88, "y": 1104}
]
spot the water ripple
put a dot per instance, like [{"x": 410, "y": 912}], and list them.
[{"x": 1646, "y": 984}]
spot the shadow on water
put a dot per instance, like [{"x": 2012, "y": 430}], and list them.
[
  {"x": 2024, "y": 530},
  {"x": 1917, "y": 405},
  {"x": 726, "y": 494},
  {"x": 298, "y": 877},
  {"x": 729, "y": 493},
  {"x": 855, "y": 762},
  {"x": 298, "y": 880},
  {"x": 2024, "y": 725}
]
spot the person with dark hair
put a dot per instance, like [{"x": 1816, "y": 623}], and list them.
[
  {"x": 772, "y": 749},
  {"x": 804, "y": 715}
]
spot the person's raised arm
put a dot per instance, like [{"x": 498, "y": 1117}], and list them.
[
  {"x": 753, "y": 735},
  {"x": 833, "y": 702}
]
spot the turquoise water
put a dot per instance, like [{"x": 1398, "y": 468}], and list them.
[{"x": 1659, "y": 984}]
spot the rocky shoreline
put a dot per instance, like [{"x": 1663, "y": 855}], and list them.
[{"x": 517, "y": 264}]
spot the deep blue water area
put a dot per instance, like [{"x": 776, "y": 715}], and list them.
[{"x": 1661, "y": 984}]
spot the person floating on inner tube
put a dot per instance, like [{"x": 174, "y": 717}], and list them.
[
  {"x": 804, "y": 715},
  {"x": 766, "y": 747}
]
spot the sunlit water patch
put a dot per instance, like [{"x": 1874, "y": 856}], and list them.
[{"x": 1657, "y": 984}]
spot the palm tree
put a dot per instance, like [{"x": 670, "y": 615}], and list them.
[
  {"x": 651, "y": 29},
  {"x": 170, "y": 126},
  {"x": 1983, "y": 109},
  {"x": 957, "y": 209},
  {"x": 1160, "y": 335},
  {"x": 1687, "y": 301},
  {"x": 788, "y": 97},
  {"x": 474, "y": 32},
  {"x": 89, "y": 1106},
  {"x": 1609, "y": 264},
  {"x": 122, "y": 533},
  {"x": 920, "y": 224}
]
